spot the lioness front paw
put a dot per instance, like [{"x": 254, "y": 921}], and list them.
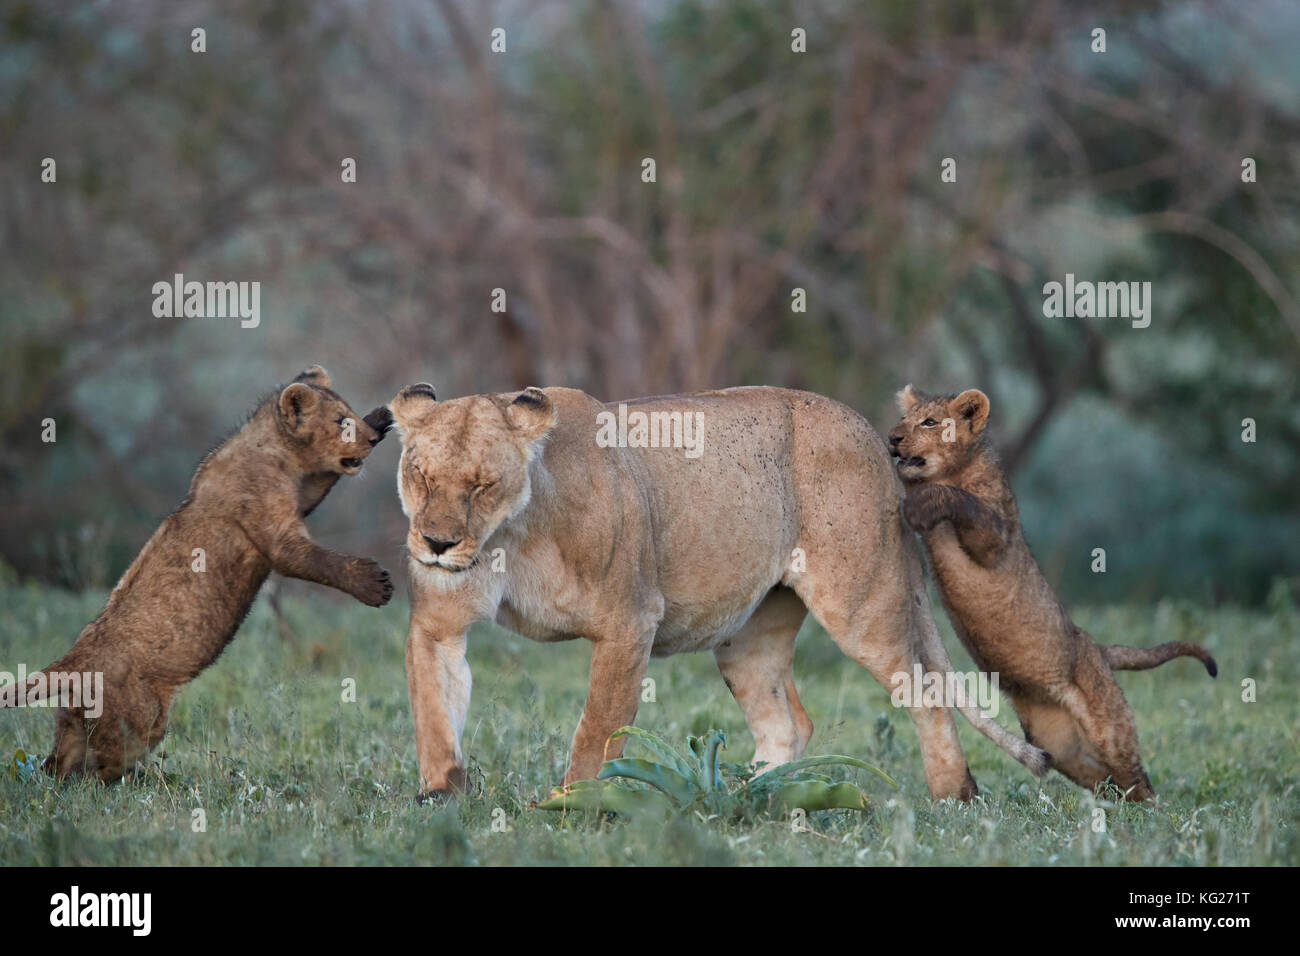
[{"x": 370, "y": 583}]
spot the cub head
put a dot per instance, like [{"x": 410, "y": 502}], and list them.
[
  {"x": 465, "y": 468},
  {"x": 938, "y": 435},
  {"x": 324, "y": 433}
]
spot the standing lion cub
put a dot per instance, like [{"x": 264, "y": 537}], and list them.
[
  {"x": 181, "y": 601},
  {"x": 1002, "y": 607}
]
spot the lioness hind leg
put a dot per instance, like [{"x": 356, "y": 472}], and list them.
[
  {"x": 879, "y": 632},
  {"x": 801, "y": 719},
  {"x": 757, "y": 663}
]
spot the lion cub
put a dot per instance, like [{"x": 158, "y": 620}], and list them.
[
  {"x": 180, "y": 602},
  {"x": 1003, "y": 609}
]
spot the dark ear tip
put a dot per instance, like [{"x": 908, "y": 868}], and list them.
[
  {"x": 532, "y": 395},
  {"x": 420, "y": 388}
]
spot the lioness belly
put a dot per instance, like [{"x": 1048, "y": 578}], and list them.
[{"x": 701, "y": 629}]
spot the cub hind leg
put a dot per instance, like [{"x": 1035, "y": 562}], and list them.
[
  {"x": 1051, "y": 727},
  {"x": 1105, "y": 719},
  {"x": 758, "y": 665},
  {"x": 132, "y": 723}
]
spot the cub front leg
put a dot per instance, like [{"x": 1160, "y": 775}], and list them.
[
  {"x": 617, "y": 667},
  {"x": 980, "y": 529},
  {"x": 295, "y": 555}
]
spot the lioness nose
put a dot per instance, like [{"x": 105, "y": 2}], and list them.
[
  {"x": 438, "y": 546},
  {"x": 894, "y": 439}
]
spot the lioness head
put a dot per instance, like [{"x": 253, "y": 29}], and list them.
[
  {"x": 464, "y": 468},
  {"x": 938, "y": 435},
  {"x": 324, "y": 434}
]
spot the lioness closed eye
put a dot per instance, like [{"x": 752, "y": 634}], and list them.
[
  {"x": 521, "y": 512},
  {"x": 1002, "y": 607},
  {"x": 180, "y": 602}
]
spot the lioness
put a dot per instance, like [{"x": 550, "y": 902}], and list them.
[
  {"x": 180, "y": 602},
  {"x": 1058, "y": 678},
  {"x": 522, "y": 511}
]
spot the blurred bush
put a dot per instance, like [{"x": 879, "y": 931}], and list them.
[{"x": 776, "y": 171}]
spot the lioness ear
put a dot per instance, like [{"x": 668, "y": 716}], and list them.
[
  {"x": 297, "y": 401},
  {"x": 410, "y": 402},
  {"x": 973, "y": 406},
  {"x": 531, "y": 413},
  {"x": 314, "y": 375},
  {"x": 907, "y": 399}
]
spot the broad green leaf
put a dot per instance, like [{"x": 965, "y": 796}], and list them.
[
  {"x": 662, "y": 750},
  {"x": 819, "y": 796},
  {"x": 709, "y": 760},
  {"x": 681, "y": 789},
  {"x": 771, "y": 777},
  {"x": 696, "y": 746},
  {"x": 608, "y": 798}
]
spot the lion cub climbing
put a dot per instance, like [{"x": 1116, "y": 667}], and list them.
[
  {"x": 1003, "y": 609},
  {"x": 181, "y": 601}
]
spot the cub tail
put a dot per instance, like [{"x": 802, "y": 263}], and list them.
[{"x": 1120, "y": 657}]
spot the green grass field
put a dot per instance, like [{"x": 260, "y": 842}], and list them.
[{"x": 286, "y": 772}]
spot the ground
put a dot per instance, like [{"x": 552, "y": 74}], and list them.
[{"x": 287, "y": 772}]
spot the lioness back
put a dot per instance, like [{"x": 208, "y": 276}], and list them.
[{"x": 730, "y": 476}]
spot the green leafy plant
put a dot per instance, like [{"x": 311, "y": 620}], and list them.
[
  {"x": 23, "y": 767},
  {"x": 671, "y": 781}
]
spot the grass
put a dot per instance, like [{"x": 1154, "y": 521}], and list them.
[{"x": 288, "y": 773}]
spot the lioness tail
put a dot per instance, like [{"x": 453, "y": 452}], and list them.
[{"x": 35, "y": 686}]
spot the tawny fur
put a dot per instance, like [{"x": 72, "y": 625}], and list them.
[
  {"x": 1006, "y": 614},
  {"x": 518, "y": 514},
  {"x": 165, "y": 621}
]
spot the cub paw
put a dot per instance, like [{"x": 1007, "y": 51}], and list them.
[
  {"x": 380, "y": 419},
  {"x": 371, "y": 584},
  {"x": 916, "y": 513}
]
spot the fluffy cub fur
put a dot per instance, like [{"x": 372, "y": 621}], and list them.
[
  {"x": 166, "y": 619},
  {"x": 1002, "y": 607}
]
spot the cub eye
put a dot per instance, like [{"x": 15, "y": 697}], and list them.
[
  {"x": 483, "y": 486},
  {"x": 929, "y": 423}
]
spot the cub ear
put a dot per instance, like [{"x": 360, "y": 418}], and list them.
[
  {"x": 314, "y": 375},
  {"x": 297, "y": 401},
  {"x": 531, "y": 413},
  {"x": 411, "y": 402},
  {"x": 973, "y": 406},
  {"x": 908, "y": 399}
]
